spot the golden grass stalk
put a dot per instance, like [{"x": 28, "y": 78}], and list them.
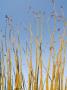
[{"x": 9, "y": 85}]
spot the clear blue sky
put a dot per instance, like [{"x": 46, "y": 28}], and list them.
[{"x": 21, "y": 13}]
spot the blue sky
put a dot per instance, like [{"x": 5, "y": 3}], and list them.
[{"x": 21, "y": 13}]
